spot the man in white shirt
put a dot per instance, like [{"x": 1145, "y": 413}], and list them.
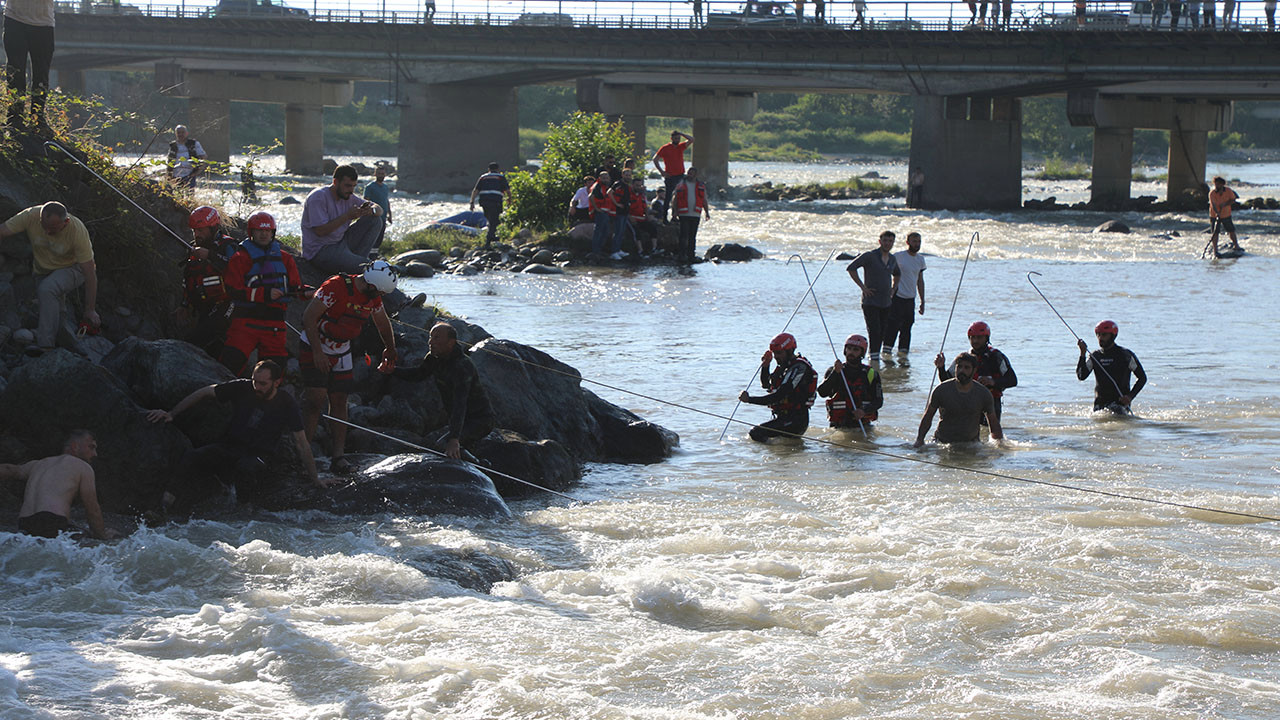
[
  {"x": 908, "y": 283},
  {"x": 185, "y": 154}
]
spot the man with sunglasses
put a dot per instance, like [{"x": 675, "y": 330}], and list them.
[{"x": 336, "y": 316}]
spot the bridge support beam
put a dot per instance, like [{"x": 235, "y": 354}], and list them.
[
  {"x": 303, "y": 139},
  {"x": 634, "y": 125},
  {"x": 1112, "y": 164},
  {"x": 1188, "y": 156},
  {"x": 970, "y": 150},
  {"x": 449, "y": 133},
  {"x": 711, "y": 151},
  {"x": 209, "y": 120}
]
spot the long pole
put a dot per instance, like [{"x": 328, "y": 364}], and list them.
[
  {"x": 176, "y": 236},
  {"x": 807, "y": 290},
  {"x": 1098, "y": 366},
  {"x": 954, "y": 300},
  {"x": 848, "y": 391}
]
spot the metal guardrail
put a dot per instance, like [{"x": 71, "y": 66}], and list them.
[{"x": 922, "y": 15}]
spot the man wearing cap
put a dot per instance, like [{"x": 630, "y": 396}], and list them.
[
  {"x": 491, "y": 189},
  {"x": 1115, "y": 366},
  {"x": 335, "y": 316},
  {"x": 791, "y": 387},
  {"x": 992, "y": 368},
  {"x": 62, "y": 258},
  {"x": 852, "y": 377}
]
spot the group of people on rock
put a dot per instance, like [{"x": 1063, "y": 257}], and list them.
[
  {"x": 971, "y": 387},
  {"x": 615, "y": 199}
]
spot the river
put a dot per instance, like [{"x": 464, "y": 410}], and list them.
[{"x": 834, "y": 578}]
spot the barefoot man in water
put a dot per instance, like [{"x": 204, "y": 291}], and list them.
[{"x": 53, "y": 483}]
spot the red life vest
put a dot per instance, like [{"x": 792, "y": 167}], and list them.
[
  {"x": 345, "y": 318},
  {"x": 810, "y": 387},
  {"x": 681, "y": 199},
  {"x": 638, "y": 209},
  {"x": 202, "y": 279},
  {"x": 602, "y": 199},
  {"x": 839, "y": 411}
]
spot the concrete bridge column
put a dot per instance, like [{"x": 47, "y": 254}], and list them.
[
  {"x": 635, "y": 125},
  {"x": 303, "y": 139},
  {"x": 1188, "y": 155},
  {"x": 1112, "y": 164},
  {"x": 449, "y": 133},
  {"x": 711, "y": 151},
  {"x": 970, "y": 150},
  {"x": 209, "y": 120}
]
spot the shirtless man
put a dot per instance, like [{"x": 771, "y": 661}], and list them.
[{"x": 53, "y": 483}]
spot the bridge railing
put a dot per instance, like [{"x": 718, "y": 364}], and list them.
[{"x": 922, "y": 15}]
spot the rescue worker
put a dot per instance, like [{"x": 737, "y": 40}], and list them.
[
  {"x": 470, "y": 415},
  {"x": 993, "y": 370},
  {"x": 1221, "y": 201},
  {"x": 260, "y": 278},
  {"x": 964, "y": 405},
  {"x": 1117, "y": 364},
  {"x": 689, "y": 204},
  {"x": 792, "y": 387},
  {"x": 335, "y": 316},
  {"x": 205, "y": 299},
  {"x": 852, "y": 376},
  {"x": 491, "y": 189}
]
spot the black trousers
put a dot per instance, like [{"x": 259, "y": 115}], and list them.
[
  {"x": 878, "y": 319},
  {"x": 21, "y": 40},
  {"x": 901, "y": 318},
  {"x": 492, "y": 214},
  {"x": 688, "y": 237},
  {"x": 671, "y": 183},
  {"x": 781, "y": 426}
]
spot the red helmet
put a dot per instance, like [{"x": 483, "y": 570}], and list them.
[
  {"x": 784, "y": 341},
  {"x": 1106, "y": 326},
  {"x": 980, "y": 328},
  {"x": 857, "y": 341},
  {"x": 261, "y": 221},
  {"x": 204, "y": 217}
]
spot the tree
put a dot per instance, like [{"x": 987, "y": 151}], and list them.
[{"x": 574, "y": 149}]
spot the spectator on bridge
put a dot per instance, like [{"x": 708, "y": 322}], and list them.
[
  {"x": 429, "y": 11},
  {"x": 331, "y": 241},
  {"x": 1007, "y": 6},
  {"x": 185, "y": 159},
  {"x": 860, "y": 7},
  {"x": 28, "y": 30},
  {"x": 820, "y": 11},
  {"x": 1228, "y": 13},
  {"x": 1210, "y": 22},
  {"x": 1080, "y": 13},
  {"x": 672, "y": 157},
  {"x": 1269, "y": 7},
  {"x": 800, "y": 10},
  {"x": 697, "y": 13},
  {"x": 1175, "y": 13},
  {"x": 491, "y": 189},
  {"x": 1193, "y": 13},
  {"x": 1157, "y": 13},
  {"x": 973, "y": 12}
]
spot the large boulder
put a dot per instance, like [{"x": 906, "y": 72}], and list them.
[
  {"x": 413, "y": 485},
  {"x": 160, "y": 373},
  {"x": 1112, "y": 226},
  {"x": 732, "y": 252},
  {"x": 58, "y": 392},
  {"x": 543, "y": 462},
  {"x": 627, "y": 437}
]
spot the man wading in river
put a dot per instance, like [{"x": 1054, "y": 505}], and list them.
[
  {"x": 791, "y": 387},
  {"x": 963, "y": 404},
  {"x": 1115, "y": 364}
]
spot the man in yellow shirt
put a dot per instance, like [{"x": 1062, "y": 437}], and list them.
[{"x": 62, "y": 260}]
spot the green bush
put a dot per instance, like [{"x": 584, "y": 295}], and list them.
[
  {"x": 573, "y": 149},
  {"x": 1055, "y": 168}
]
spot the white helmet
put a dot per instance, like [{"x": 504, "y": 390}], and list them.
[{"x": 381, "y": 275}]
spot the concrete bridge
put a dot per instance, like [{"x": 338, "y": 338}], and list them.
[{"x": 457, "y": 86}]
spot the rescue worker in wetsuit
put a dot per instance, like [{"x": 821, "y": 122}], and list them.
[
  {"x": 852, "y": 376},
  {"x": 792, "y": 387},
  {"x": 260, "y": 278},
  {"x": 1111, "y": 392},
  {"x": 491, "y": 189},
  {"x": 470, "y": 415},
  {"x": 335, "y": 316},
  {"x": 205, "y": 299},
  {"x": 993, "y": 371}
]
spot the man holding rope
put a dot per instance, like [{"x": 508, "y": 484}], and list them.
[
  {"x": 792, "y": 387},
  {"x": 1117, "y": 364}
]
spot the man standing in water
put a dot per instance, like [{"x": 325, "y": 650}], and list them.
[
  {"x": 791, "y": 390},
  {"x": 908, "y": 283},
  {"x": 53, "y": 483},
  {"x": 852, "y": 377},
  {"x": 1117, "y": 364},
  {"x": 1221, "y": 201},
  {"x": 993, "y": 369},
  {"x": 963, "y": 404},
  {"x": 878, "y": 268}
]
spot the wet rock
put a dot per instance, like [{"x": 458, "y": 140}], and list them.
[
  {"x": 732, "y": 252},
  {"x": 414, "y": 485},
  {"x": 289, "y": 200},
  {"x": 419, "y": 270},
  {"x": 466, "y": 568},
  {"x": 543, "y": 257},
  {"x": 627, "y": 437},
  {"x": 327, "y": 166},
  {"x": 431, "y": 257},
  {"x": 23, "y": 337},
  {"x": 543, "y": 462},
  {"x": 95, "y": 347},
  {"x": 1112, "y": 226},
  {"x": 160, "y": 373},
  {"x": 536, "y": 269},
  {"x": 466, "y": 270},
  {"x": 564, "y": 256},
  {"x": 457, "y": 252},
  {"x": 845, "y": 256}
]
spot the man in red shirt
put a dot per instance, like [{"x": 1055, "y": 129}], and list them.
[
  {"x": 336, "y": 316},
  {"x": 672, "y": 166}
]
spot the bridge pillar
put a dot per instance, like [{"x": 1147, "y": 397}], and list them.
[
  {"x": 634, "y": 125},
  {"x": 711, "y": 151},
  {"x": 209, "y": 120},
  {"x": 449, "y": 133},
  {"x": 1188, "y": 155},
  {"x": 970, "y": 150},
  {"x": 1112, "y": 164},
  {"x": 303, "y": 139}
]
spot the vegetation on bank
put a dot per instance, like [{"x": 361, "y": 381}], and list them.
[{"x": 430, "y": 238}]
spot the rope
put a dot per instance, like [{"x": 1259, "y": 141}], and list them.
[{"x": 871, "y": 451}]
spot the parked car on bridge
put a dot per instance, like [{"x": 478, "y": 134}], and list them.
[
  {"x": 544, "y": 20},
  {"x": 255, "y": 8},
  {"x": 1142, "y": 15},
  {"x": 767, "y": 13}
]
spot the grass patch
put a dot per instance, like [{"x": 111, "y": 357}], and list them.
[
  {"x": 786, "y": 152},
  {"x": 1139, "y": 176},
  {"x": 430, "y": 238},
  {"x": 865, "y": 184},
  {"x": 1055, "y": 168}
]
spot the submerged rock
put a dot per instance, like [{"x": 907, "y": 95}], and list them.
[
  {"x": 1112, "y": 226},
  {"x": 732, "y": 252},
  {"x": 414, "y": 485}
]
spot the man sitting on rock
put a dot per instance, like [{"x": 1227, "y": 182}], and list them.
[
  {"x": 260, "y": 412},
  {"x": 470, "y": 416},
  {"x": 53, "y": 483}
]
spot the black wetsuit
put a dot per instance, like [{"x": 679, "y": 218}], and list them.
[
  {"x": 791, "y": 391},
  {"x": 993, "y": 363},
  {"x": 1118, "y": 363},
  {"x": 470, "y": 415},
  {"x": 868, "y": 395}
]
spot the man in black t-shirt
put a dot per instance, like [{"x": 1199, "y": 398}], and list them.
[{"x": 260, "y": 412}]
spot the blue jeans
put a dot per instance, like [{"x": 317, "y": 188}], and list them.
[{"x": 604, "y": 227}]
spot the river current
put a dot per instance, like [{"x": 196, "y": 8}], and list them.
[{"x": 831, "y": 578}]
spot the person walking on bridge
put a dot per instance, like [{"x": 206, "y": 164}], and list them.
[{"x": 672, "y": 157}]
